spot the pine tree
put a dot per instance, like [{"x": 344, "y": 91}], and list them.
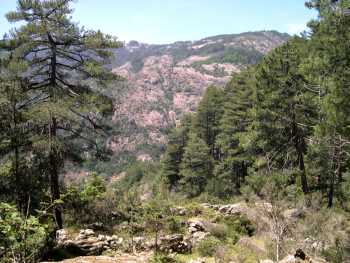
[
  {"x": 65, "y": 64},
  {"x": 195, "y": 166},
  {"x": 14, "y": 135},
  {"x": 284, "y": 110},
  {"x": 208, "y": 115},
  {"x": 177, "y": 141},
  {"x": 329, "y": 68},
  {"x": 231, "y": 142}
]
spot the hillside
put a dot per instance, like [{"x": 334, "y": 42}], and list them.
[{"x": 165, "y": 81}]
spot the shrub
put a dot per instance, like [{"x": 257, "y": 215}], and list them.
[
  {"x": 335, "y": 253},
  {"x": 21, "y": 238},
  {"x": 162, "y": 259},
  {"x": 175, "y": 225},
  {"x": 207, "y": 247},
  {"x": 94, "y": 188},
  {"x": 239, "y": 225},
  {"x": 218, "y": 231}
]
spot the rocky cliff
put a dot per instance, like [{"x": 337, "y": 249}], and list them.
[{"x": 162, "y": 82}]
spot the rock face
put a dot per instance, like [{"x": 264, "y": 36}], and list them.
[
  {"x": 124, "y": 258},
  {"x": 87, "y": 242},
  {"x": 165, "y": 81},
  {"x": 234, "y": 209},
  {"x": 197, "y": 231}
]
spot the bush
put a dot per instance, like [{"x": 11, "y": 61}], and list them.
[
  {"x": 207, "y": 247},
  {"x": 21, "y": 239},
  {"x": 162, "y": 259},
  {"x": 94, "y": 188},
  {"x": 218, "y": 231},
  {"x": 175, "y": 225},
  {"x": 239, "y": 225},
  {"x": 335, "y": 253}
]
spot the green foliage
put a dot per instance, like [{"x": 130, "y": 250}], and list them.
[
  {"x": 195, "y": 166},
  {"x": 162, "y": 259},
  {"x": 175, "y": 224},
  {"x": 236, "y": 119},
  {"x": 219, "y": 231},
  {"x": 335, "y": 253},
  {"x": 21, "y": 238},
  {"x": 94, "y": 188},
  {"x": 232, "y": 55},
  {"x": 206, "y": 122},
  {"x": 177, "y": 141},
  {"x": 232, "y": 228},
  {"x": 208, "y": 246}
]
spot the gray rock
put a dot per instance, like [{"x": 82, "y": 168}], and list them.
[
  {"x": 233, "y": 209},
  {"x": 195, "y": 225},
  {"x": 174, "y": 243},
  {"x": 61, "y": 236},
  {"x": 87, "y": 243},
  {"x": 294, "y": 214},
  {"x": 179, "y": 211}
]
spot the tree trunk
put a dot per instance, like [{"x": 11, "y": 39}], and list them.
[
  {"x": 303, "y": 178},
  {"x": 331, "y": 192},
  {"x": 277, "y": 249},
  {"x": 54, "y": 158},
  {"x": 19, "y": 200},
  {"x": 300, "y": 147},
  {"x": 54, "y": 182}
]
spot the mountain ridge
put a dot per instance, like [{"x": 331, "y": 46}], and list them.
[{"x": 164, "y": 82}]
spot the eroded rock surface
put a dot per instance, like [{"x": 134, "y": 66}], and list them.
[{"x": 87, "y": 242}]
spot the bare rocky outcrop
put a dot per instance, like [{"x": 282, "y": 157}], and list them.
[
  {"x": 197, "y": 230},
  {"x": 87, "y": 242},
  {"x": 122, "y": 258}
]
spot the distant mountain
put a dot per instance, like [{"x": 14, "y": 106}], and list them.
[{"x": 165, "y": 81}]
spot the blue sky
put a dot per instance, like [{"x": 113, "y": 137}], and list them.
[{"x": 166, "y": 21}]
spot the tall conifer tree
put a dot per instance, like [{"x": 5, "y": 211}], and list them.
[{"x": 65, "y": 63}]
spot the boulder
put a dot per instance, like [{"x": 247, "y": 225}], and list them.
[
  {"x": 140, "y": 244},
  {"x": 86, "y": 233},
  {"x": 294, "y": 214},
  {"x": 266, "y": 261},
  {"x": 233, "y": 209},
  {"x": 210, "y": 206},
  {"x": 61, "y": 236},
  {"x": 178, "y": 211},
  {"x": 195, "y": 225},
  {"x": 174, "y": 244},
  {"x": 87, "y": 243}
]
